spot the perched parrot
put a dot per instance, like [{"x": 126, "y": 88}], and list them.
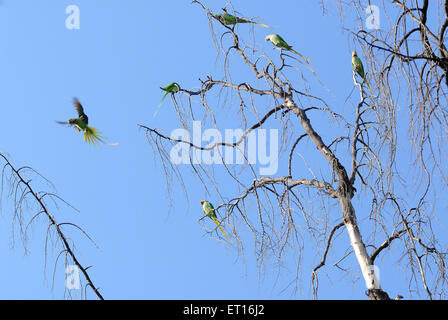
[
  {"x": 228, "y": 19},
  {"x": 172, "y": 87},
  {"x": 91, "y": 135},
  {"x": 209, "y": 211},
  {"x": 281, "y": 43},
  {"x": 359, "y": 68}
]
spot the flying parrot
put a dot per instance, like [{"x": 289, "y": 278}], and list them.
[
  {"x": 279, "y": 42},
  {"x": 359, "y": 68},
  {"x": 209, "y": 211},
  {"x": 91, "y": 135},
  {"x": 171, "y": 88},
  {"x": 229, "y": 19}
]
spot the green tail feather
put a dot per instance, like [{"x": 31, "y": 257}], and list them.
[
  {"x": 92, "y": 136},
  {"x": 219, "y": 226},
  {"x": 260, "y": 24},
  {"x": 308, "y": 61},
  {"x": 303, "y": 57},
  {"x": 368, "y": 85},
  {"x": 166, "y": 92},
  {"x": 160, "y": 104},
  {"x": 240, "y": 20}
]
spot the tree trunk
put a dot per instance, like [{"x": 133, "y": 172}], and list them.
[{"x": 371, "y": 277}]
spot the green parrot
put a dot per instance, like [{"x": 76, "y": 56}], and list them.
[
  {"x": 171, "y": 88},
  {"x": 279, "y": 42},
  {"x": 91, "y": 135},
  {"x": 229, "y": 19},
  {"x": 209, "y": 211},
  {"x": 359, "y": 68}
]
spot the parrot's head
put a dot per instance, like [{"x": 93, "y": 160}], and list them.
[
  {"x": 354, "y": 54},
  {"x": 202, "y": 202},
  {"x": 268, "y": 38},
  {"x": 72, "y": 121}
]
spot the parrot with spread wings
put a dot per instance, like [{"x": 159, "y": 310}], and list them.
[{"x": 91, "y": 135}]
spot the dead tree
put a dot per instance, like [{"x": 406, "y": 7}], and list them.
[
  {"x": 17, "y": 182},
  {"x": 408, "y": 62},
  {"x": 284, "y": 211}
]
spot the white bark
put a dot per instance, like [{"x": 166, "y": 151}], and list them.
[{"x": 369, "y": 271}]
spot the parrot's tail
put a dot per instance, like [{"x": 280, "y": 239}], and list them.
[
  {"x": 263, "y": 25},
  {"x": 301, "y": 56},
  {"x": 239, "y": 20},
  {"x": 163, "y": 98},
  {"x": 368, "y": 86},
  {"x": 220, "y": 228},
  {"x": 160, "y": 104},
  {"x": 93, "y": 136}
]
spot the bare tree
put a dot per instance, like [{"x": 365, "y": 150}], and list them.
[
  {"x": 408, "y": 62},
  {"x": 292, "y": 210},
  {"x": 18, "y": 182}
]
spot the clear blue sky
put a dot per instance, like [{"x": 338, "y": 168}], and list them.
[{"x": 115, "y": 63}]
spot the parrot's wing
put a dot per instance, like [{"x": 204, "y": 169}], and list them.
[
  {"x": 361, "y": 70},
  {"x": 80, "y": 111},
  {"x": 78, "y": 107},
  {"x": 281, "y": 41},
  {"x": 358, "y": 66},
  {"x": 279, "y": 37},
  {"x": 172, "y": 87},
  {"x": 209, "y": 207}
]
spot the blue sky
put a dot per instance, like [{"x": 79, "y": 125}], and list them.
[{"x": 115, "y": 63}]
